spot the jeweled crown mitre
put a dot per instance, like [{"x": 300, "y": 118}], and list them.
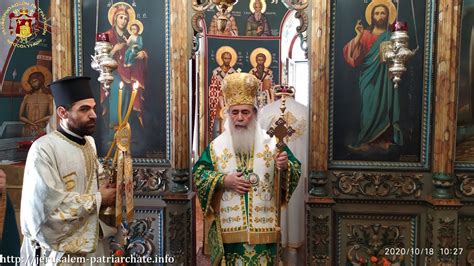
[{"x": 240, "y": 88}]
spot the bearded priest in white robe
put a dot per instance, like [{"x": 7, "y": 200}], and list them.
[
  {"x": 236, "y": 182},
  {"x": 62, "y": 195},
  {"x": 292, "y": 217}
]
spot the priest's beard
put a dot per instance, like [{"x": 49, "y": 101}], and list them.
[
  {"x": 260, "y": 69},
  {"x": 242, "y": 138},
  {"x": 80, "y": 128}
]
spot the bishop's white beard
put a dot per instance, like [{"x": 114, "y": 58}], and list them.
[{"x": 242, "y": 138}]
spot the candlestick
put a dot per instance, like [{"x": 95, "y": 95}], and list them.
[
  {"x": 120, "y": 102},
  {"x": 132, "y": 100}
]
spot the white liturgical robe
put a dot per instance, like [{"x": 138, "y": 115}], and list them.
[{"x": 60, "y": 201}]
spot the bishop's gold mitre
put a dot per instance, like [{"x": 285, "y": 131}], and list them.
[{"x": 240, "y": 88}]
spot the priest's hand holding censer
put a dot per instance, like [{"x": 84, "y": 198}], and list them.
[
  {"x": 108, "y": 191},
  {"x": 110, "y": 174}
]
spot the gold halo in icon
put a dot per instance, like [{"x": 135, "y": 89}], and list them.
[
  {"x": 224, "y": 49},
  {"x": 260, "y": 50}
]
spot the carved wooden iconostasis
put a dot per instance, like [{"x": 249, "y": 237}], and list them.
[
  {"x": 381, "y": 157},
  {"x": 371, "y": 188},
  {"x": 376, "y": 192}
]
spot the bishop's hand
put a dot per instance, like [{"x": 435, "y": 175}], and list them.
[
  {"x": 282, "y": 161},
  {"x": 236, "y": 182}
]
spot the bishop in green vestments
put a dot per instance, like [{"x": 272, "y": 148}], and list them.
[{"x": 235, "y": 179}]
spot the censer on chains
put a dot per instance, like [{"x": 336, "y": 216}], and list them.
[{"x": 396, "y": 52}]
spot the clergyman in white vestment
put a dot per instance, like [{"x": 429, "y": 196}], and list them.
[
  {"x": 61, "y": 195},
  {"x": 292, "y": 219}
]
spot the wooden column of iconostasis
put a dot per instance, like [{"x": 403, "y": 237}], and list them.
[
  {"x": 150, "y": 43},
  {"x": 258, "y": 37}
]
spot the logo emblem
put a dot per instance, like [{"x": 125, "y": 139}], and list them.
[{"x": 23, "y": 24}]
